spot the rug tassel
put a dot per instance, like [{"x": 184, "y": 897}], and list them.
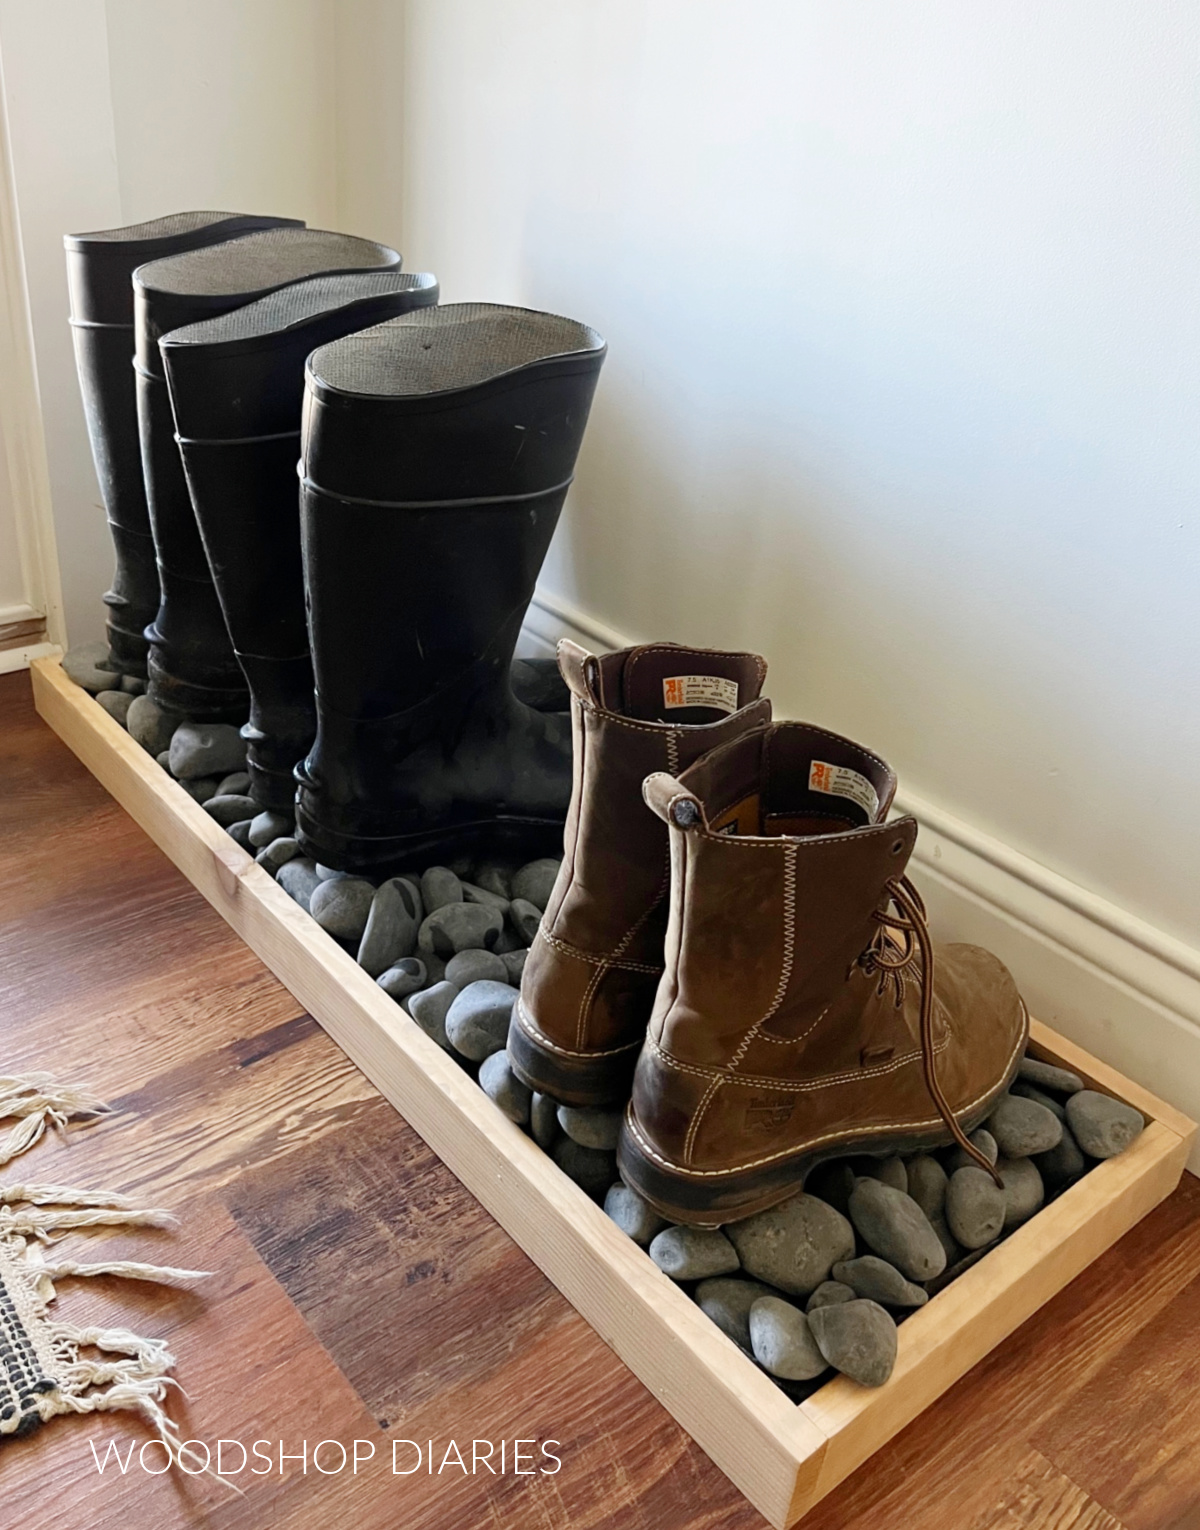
[
  {"x": 39, "y": 1224},
  {"x": 38, "y": 1102},
  {"x": 134, "y": 1385},
  {"x": 59, "y": 1195},
  {"x": 129, "y": 1269},
  {"x": 137, "y": 1382}
]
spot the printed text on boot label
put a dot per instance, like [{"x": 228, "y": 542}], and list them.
[
  {"x": 841, "y": 781},
  {"x": 700, "y": 691}
]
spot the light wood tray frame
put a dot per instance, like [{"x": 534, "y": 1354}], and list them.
[{"x": 784, "y": 1457}]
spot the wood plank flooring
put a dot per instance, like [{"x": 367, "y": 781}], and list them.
[{"x": 359, "y": 1293}]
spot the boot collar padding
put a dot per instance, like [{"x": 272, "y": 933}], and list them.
[
  {"x": 664, "y": 683},
  {"x": 796, "y": 771}
]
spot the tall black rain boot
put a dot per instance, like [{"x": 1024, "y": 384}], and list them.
[
  {"x": 100, "y": 267},
  {"x": 192, "y": 668},
  {"x": 237, "y": 386},
  {"x": 436, "y": 455}
]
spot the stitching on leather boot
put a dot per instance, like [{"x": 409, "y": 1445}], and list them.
[
  {"x": 613, "y": 958},
  {"x": 785, "y": 977},
  {"x": 835, "y": 1136},
  {"x": 585, "y": 1007}
]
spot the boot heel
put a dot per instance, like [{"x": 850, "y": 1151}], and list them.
[{"x": 599, "y": 1079}]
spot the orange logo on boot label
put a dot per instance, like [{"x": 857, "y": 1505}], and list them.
[
  {"x": 841, "y": 781},
  {"x": 700, "y": 691}
]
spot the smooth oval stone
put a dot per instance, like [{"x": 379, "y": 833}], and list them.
[
  {"x": 1022, "y": 1127},
  {"x": 894, "y": 1227},
  {"x": 636, "y": 1218},
  {"x": 828, "y": 1294},
  {"x": 975, "y": 1207},
  {"x": 508, "y": 940},
  {"x": 1045, "y": 1075},
  {"x": 793, "y": 1246},
  {"x": 299, "y": 880},
  {"x": 1024, "y": 1192},
  {"x": 477, "y": 1021},
  {"x": 328, "y": 874},
  {"x": 959, "y": 1158},
  {"x": 782, "y": 1341},
  {"x": 435, "y": 967},
  {"x": 591, "y": 1127},
  {"x": 1062, "y": 1164},
  {"x": 342, "y": 906},
  {"x": 207, "y": 749},
  {"x": 133, "y": 685},
  {"x": 227, "y": 810},
  {"x": 592, "y": 1171},
  {"x": 163, "y": 758},
  {"x": 429, "y": 1009},
  {"x": 1102, "y": 1126},
  {"x": 727, "y": 1300},
  {"x": 879, "y": 1281},
  {"x": 409, "y": 889},
  {"x": 82, "y": 664},
  {"x": 407, "y": 976},
  {"x": 888, "y": 1171},
  {"x": 116, "y": 704},
  {"x": 953, "y": 1248},
  {"x": 439, "y": 888},
  {"x": 514, "y": 965},
  {"x": 543, "y": 1123},
  {"x": 390, "y": 932},
  {"x": 238, "y": 785},
  {"x": 501, "y": 1085},
  {"x": 152, "y": 727},
  {"x": 458, "y": 927},
  {"x": 278, "y": 853},
  {"x": 1028, "y": 1091},
  {"x": 525, "y": 918},
  {"x": 832, "y": 1183},
  {"x": 927, "y": 1182},
  {"x": 473, "y": 894},
  {"x": 693, "y": 1253},
  {"x": 204, "y": 791},
  {"x": 476, "y": 967},
  {"x": 269, "y": 826},
  {"x": 857, "y": 1338},
  {"x": 494, "y": 877},
  {"x": 534, "y": 883},
  {"x": 240, "y": 834}
]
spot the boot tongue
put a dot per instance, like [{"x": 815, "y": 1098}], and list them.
[
  {"x": 820, "y": 782},
  {"x": 660, "y": 682}
]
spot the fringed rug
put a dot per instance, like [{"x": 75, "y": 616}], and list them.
[{"x": 46, "y": 1369}]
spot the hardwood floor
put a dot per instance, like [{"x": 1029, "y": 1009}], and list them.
[{"x": 359, "y": 1293}]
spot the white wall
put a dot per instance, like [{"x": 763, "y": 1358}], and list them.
[
  {"x": 122, "y": 110},
  {"x": 902, "y": 389},
  {"x": 902, "y": 308}
]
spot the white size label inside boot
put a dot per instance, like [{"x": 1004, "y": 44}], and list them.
[
  {"x": 841, "y": 781},
  {"x": 700, "y": 691}
]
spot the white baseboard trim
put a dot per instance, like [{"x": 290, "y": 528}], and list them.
[
  {"x": 1120, "y": 987},
  {"x": 21, "y": 658}
]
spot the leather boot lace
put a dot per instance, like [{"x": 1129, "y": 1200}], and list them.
[{"x": 902, "y": 952}]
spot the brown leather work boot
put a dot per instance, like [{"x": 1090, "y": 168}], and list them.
[
  {"x": 590, "y": 978},
  {"x": 802, "y": 1014}
]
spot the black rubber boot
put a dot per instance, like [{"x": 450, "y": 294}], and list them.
[
  {"x": 237, "y": 386},
  {"x": 192, "y": 668},
  {"x": 100, "y": 268},
  {"x": 436, "y": 456}
]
